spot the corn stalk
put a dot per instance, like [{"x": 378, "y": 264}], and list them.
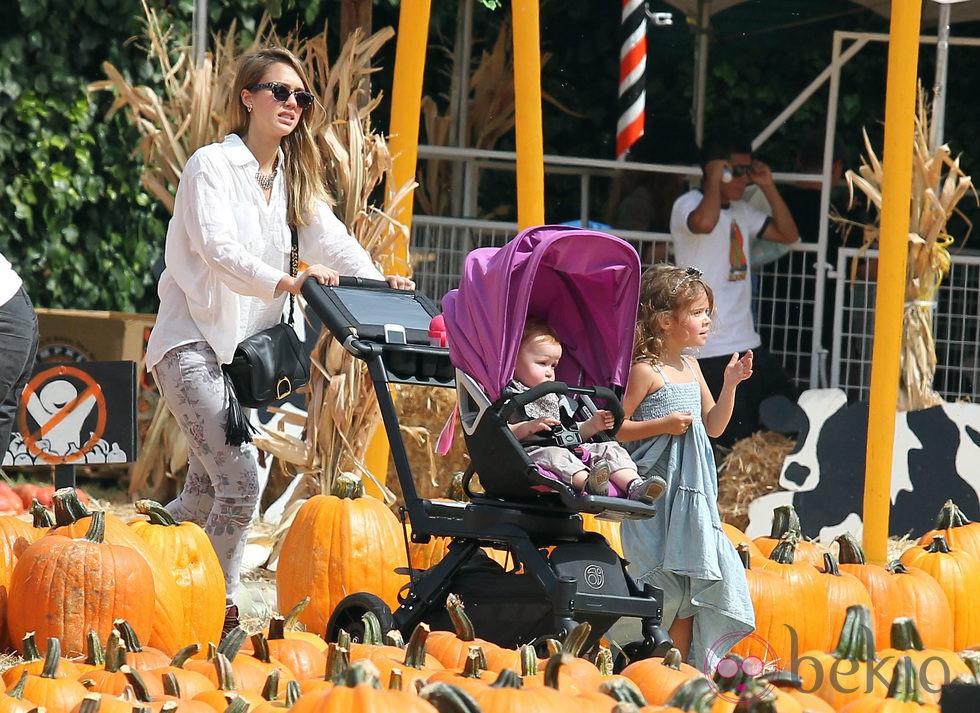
[
  {"x": 186, "y": 113},
  {"x": 938, "y": 185}
]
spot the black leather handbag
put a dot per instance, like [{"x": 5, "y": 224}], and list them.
[{"x": 267, "y": 367}]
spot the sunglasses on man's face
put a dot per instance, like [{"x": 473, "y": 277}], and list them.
[
  {"x": 281, "y": 93},
  {"x": 741, "y": 169}
]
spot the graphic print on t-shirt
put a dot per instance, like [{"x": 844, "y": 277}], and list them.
[{"x": 737, "y": 265}]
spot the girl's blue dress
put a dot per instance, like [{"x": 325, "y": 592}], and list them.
[{"x": 686, "y": 537}]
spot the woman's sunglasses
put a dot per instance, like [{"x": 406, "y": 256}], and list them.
[{"x": 281, "y": 93}]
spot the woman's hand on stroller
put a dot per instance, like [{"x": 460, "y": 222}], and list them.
[{"x": 525, "y": 429}]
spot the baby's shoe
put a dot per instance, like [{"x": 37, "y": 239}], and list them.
[
  {"x": 597, "y": 482},
  {"x": 647, "y": 490}
]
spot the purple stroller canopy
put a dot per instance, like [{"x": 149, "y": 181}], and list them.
[{"x": 583, "y": 283}]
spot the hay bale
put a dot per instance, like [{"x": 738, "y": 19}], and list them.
[{"x": 751, "y": 469}]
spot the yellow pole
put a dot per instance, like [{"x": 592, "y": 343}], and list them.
[
  {"x": 406, "y": 98},
  {"x": 896, "y": 194},
  {"x": 527, "y": 113}
]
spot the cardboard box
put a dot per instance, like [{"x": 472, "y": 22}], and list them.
[{"x": 80, "y": 335}]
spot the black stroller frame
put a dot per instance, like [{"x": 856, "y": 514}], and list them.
[{"x": 581, "y": 578}]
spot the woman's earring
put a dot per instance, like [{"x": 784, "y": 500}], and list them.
[{"x": 248, "y": 108}]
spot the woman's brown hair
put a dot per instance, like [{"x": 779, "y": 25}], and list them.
[{"x": 664, "y": 290}]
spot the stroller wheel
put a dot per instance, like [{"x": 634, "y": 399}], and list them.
[{"x": 349, "y": 613}]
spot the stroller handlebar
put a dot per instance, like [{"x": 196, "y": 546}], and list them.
[
  {"x": 348, "y": 281},
  {"x": 608, "y": 396}
]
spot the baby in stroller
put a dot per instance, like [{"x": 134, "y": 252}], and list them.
[{"x": 555, "y": 442}]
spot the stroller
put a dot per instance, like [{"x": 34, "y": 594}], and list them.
[{"x": 585, "y": 285}]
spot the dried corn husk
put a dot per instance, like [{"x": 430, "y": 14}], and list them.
[{"x": 938, "y": 185}]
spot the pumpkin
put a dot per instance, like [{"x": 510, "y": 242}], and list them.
[
  {"x": 789, "y": 684},
  {"x": 897, "y": 591},
  {"x": 226, "y": 682},
  {"x": 508, "y": 694},
  {"x": 737, "y": 537},
  {"x": 140, "y": 657},
  {"x": 807, "y": 620},
  {"x": 246, "y": 673},
  {"x": 903, "y": 695},
  {"x": 44, "y": 494},
  {"x": 609, "y": 529},
  {"x": 773, "y": 604},
  {"x": 657, "y": 679},
  {"x": 63, "y": 587},
  {"x": 785, "y": 521},
  {"x": 34, "y": 662},
  {"x": 959, "y": 532},
  {"x": 186, "y": 551},
  {"x": 471, "y": 677},
  {"x": 302, "y": 658},
  {"x": 413, "y": 662},
  {"x": 935, "y": 667},
  {"x": 15, "y": 535},
  {"x": 840, "y": 590},
  {"x": 13, "y": 700},
  {"x": 111, "y": 679},
  {"x": 452, "y": 648},
  {"x": 852, "y": 669},
  {"x": 277, "y": 704},
  {"x": 72, "y": 518},
  {"x": 339, "y": 544},
  {"x": 179, "y": 681},
  {"x": 10, "y": 500},
  {"x": 361, "y": 692},
  {"x": 50, "y": 690},
  {"x": 958, "y": 573}
]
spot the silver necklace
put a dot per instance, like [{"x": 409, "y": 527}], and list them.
[{"x": 265, "y": 180}]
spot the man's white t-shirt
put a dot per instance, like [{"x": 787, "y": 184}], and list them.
[{"x": 724, "y": 258}]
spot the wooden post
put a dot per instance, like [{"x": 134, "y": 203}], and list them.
[{"x": 896, "y": 192}]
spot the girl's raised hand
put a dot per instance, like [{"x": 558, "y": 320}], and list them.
[{"x": 738, "y": 369}]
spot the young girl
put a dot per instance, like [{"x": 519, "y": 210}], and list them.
[{"x": 671, "y": 414}]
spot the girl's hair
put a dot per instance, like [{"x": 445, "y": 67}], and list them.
[
  {"x": 664, "y": 290},
  {"x": 303, "y": 162},
  {"x": 535, "y": 328}
]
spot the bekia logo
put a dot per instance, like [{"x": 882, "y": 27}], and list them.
[
  {"x": 595, "y": 577},
  {"x": 739, "y": 679}
]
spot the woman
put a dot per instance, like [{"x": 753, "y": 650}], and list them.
[
  {"x": 227, "y": 277},
  {"x": 18, "y": 347}
]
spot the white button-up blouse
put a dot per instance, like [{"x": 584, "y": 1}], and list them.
[{"x": 227, "y": 248}]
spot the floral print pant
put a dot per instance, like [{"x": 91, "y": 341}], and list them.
[{"x": 221, "y": 489}]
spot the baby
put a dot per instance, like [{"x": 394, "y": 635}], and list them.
[{"x": 537, "y": 358}]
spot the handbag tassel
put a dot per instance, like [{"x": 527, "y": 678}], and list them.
[{"x": 238, "y": 429}]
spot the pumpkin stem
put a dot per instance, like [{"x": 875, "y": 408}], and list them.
[
  {"x": 138, "y": 683},
  {"x": 897, "y": 567},
  {"x": 830, "y": 564},
  {"x": 96, "y": 528},
  {"x": 29, "y": 645},
  {"x": 461, "y": 622},
  {"x": 395, "y": 680},
  {"x": 697, "y": 694},
  {"x": 115, "y": 655},
  {"x": 232, "y": 642},
  {"x": 128, "y": 635},
  {"x": 623, "y": 690},
  {"x": 293, "y": 692},
  {"x": 236, "y": 704},
  {"x": 41, "y": 517},
  {"x": 455, "y": 489},
  {"x": 604, "y": 661},
  {"x": 277, "y": 628},
  {"x": 743, "y": 554},
  {"x": 950, "y": 516},
  {"x": 157, "y": 514},
  {"x": 171, "y": 686},
  {"x": 553, "y": 667},
  {"x": 270, "y": 691},
  {"x": 785, "y": 520},
  {"x": 672, "y": 659},
  {"x": 905, "y": 635},
  {"x": 904, "y": 685},
  {"x": 348, "y": 485},
  {"x": 226, "y": 675},
  {"x": 849, "y": 550},
  {"x": 577, "y": 638},
  {"x": 475, "y": 664},
  {"x": 395, "y": 638},
  {"x": 95, "y": 655},
  {"x": 507, "y": 679},
  {"x": 785, "y": 551},
  {"x": 292, "y": 616},
  {"x": 18, "y": 690},
  {"x": 447, "y": 698},
  {"x": 52, "y": 658},
  {"x": 180, "y": 658},
  {"x": 939, "y": 544},
  {"x": 372, "y": 629},
  {"x": 415, "y": 651},
  {"x": 529, "y": 660},
  {"x": 363, "y": 671},
  {"x": 857, "y": 638},
  {"x": 260, "y": 648},
  {"x": 68, "y": 509},
  {"x": 338, "y": 661}
]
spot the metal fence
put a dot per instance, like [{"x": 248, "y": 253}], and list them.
[{"x": 791, "y": 296}]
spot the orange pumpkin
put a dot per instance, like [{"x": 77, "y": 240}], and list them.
[
  {"x": 72, "y": 518},
  {"x": 63, "y": 588},
  {"x": 34, "y": 662},
  {"x": 959, "y": 532},
  {"x": 896, "y": 591},
  {"x": 935, "y": 667},
  {"x": 339, "y": 544},
  {"x": 903, "y": 695},
  {"x": 452, "y": 647},
  {"x": 186, "y": 551},
  {"x": 773, "y": 605},
  {"x": 840, "y": 590},
  {"x": 302, "y": 658},
  {"x": 785, "y": 521},
  {"x": 958, "y": 573},
  {"x": 807, "y": 620},
  {"x": 737, "y": 537},
  {"x": 657, "y": 679},
  {"x": 13, "y": 700},
  {"x": 48, "y": 689},
  {"x": 607, "y": 528}
]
